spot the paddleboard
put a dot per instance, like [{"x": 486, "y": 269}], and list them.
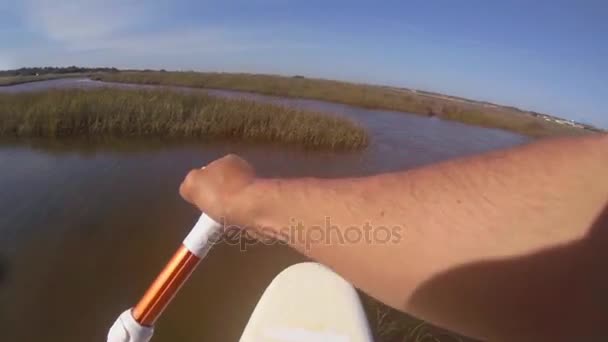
[{"x": 308, "y": 302}]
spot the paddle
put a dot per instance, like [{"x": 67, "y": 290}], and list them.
[{"x": 137, "y": 324}]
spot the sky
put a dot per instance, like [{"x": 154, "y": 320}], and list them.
[{"x": 546, "y": 56}]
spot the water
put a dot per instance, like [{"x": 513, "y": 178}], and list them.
[{"x": 84, "y": 227}]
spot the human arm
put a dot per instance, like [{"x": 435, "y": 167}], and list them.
[{"x": 510, "y": 207}]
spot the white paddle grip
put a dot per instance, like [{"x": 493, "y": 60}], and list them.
[
  {"x": 126, "y": 329},
  {"x": 202, "y": 236}
]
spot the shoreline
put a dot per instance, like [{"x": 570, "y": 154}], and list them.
[
  {"x": 466, "y": 111},
  {"x": 469, "y": 112},
  {"x": 8, "y": 81}
]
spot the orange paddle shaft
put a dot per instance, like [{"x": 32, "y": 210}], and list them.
[{"x": 165, "y": 287}]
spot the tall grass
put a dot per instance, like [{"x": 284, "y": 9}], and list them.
[
  {"x": 388, "y": 324},
  {"x": 368, "y": 96},
  {"x": 115, "y": 112}
]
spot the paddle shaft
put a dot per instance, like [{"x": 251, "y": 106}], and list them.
[
  {"x": 137, "y": 324},
  {"x": 165, "y": 286}
]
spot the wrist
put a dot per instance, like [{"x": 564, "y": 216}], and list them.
[{"x": 251, "y": 208}]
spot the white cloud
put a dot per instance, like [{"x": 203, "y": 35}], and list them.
[
  {"x": 116, "y": 25},
  {"x": 168, "y": 42},
  {"x": 139, "y": 34},
  {"x": 74, "y": 22}
]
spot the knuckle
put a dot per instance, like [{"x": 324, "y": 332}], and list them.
[
  {"x": 231, "y": 158},
  {"x": 236, "y": 162},
  {"x": 190, "y": 181}
]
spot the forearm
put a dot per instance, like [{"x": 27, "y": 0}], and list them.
[{"x": 496, "y": 206}]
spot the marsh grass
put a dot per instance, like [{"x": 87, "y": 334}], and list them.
[
  {"x": 390, "y": 325},
  {"x": 368, "y": 96},
  {"x": 165, "y": 113}
]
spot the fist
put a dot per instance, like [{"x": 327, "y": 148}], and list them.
[{"x": 220, "y": 188}]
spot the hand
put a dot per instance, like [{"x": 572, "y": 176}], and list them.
[{"x": 219, "y": 190}]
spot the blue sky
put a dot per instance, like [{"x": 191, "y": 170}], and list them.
[{"x": 548, "y": 56}]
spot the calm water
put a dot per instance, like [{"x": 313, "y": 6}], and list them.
[{"x": 78, "y": 220}]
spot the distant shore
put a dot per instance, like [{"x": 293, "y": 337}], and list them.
[
  {"x": 27, "y": 75},
  {"x": 14, "y": 80},
  {"x": 368, "y": 96},
  {"x": 430, "y": 104}
]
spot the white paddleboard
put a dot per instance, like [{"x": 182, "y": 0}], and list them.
[{"x": 308, "y": 302}]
